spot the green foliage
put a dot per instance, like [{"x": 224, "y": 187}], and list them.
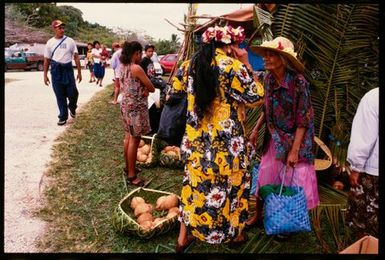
[
  {"x": 167, "y": 46},
  {"x": 40, "y": 15}
]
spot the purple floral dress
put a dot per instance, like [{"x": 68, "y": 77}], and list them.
[
  {"x": 133, "y": 107},
  {"x": 288, "y": 107}
]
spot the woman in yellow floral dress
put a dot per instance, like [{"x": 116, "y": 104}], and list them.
[{"x": 216, "y": 184}]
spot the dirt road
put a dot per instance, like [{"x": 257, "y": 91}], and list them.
[{"x": 30, "y": 129}]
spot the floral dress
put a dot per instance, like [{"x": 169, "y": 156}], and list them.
[
  {"x": 214, "y": 196},
  {"x": 133, "y": 107}
]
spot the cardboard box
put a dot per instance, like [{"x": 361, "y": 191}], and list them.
[{"x": 366, "y": 245}]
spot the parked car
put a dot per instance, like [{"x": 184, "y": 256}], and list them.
[
  {"x": 23, "y": 60},
  {"x": 83, "y": 61},
  {"x": 168, "y": 62}
]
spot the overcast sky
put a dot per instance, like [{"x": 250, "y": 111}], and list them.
[{"x": 147, "y": 17}]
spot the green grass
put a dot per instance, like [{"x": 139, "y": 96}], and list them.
[{"x": 85, "y": 185}]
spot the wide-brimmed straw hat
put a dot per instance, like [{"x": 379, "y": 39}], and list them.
[{"x": 284, "y": 47}]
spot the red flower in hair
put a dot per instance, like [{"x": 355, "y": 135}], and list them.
[{"x": 280, "y": 47}]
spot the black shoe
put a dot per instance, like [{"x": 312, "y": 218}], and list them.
[
  {"x": 73, "y": 114},
  {"x": 61, "y": 122}
]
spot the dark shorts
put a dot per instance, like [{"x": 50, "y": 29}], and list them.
[
  {"x": 91, "y": 67},
  {"x": 362, "y": 215}
]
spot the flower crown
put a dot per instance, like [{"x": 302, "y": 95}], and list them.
[{"x": 226, "y": 34}]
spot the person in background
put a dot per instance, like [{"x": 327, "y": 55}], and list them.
[
  {"x": 99, "y": 69},
  {"x": 155, "y": 110},
  {"x": 289, "y": 118},
  {"x": 363, "y": 199},
  {"x": 58, "y": 53},
  {"x": 115, "y": 63},
  {"x": 146, "y": 63},
  {"x": 216, "y": 183},
  {"x": 90, "y": 62},
  {"x": 104, "y": 56},
  {"x": 135, "y": 86}
]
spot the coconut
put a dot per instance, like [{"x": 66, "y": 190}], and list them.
[
  {"x": 174, "y": 209},
  {"x": 159, "y": 202},
  {"x": 171, "y": 215},
  {"x": 136, "y": 201},
  {"x": 171, "y": 152},
  {"x": 142, "y": 208},
  {"x": 145, "y": 217},
  {"x": 171, "y": 201},
  {"x": 146, "y": 149},
  {"x": 168, "y": 202},
  {"x": 141, "y": 157},
  {"x": 167, "y": 148},
  {"x": 158, "y": 220},
  {"x": 146, "y": 225}
]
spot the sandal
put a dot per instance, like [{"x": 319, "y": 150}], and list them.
[
  {"x": 253, "y": 222},
  {"x": 183, "y": 248},
  {"x": 236, "y": 243},
  {"x": 130, "y": 181}
]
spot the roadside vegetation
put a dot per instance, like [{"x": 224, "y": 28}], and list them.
[
  {"x": 38, "y": 17},
  {"x": 84, "y": 184}
]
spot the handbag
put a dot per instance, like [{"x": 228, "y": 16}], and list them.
[
  {"x": 286, "y": 213},
  {"x": 172, "y": 123}
]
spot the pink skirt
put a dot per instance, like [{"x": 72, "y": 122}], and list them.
[{"x": 304, "y": 176}]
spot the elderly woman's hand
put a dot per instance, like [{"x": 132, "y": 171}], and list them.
[{"x": 240, "y": 54}]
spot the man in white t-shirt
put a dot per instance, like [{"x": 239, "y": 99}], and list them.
[{"x": 58, "y": 53}]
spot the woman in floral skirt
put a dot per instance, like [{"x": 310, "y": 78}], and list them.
[{"x": 214, "y": 196}]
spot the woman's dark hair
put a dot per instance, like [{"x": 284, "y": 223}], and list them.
[
  {"x": 205, "y": 77},
  {"x": 128, "y": 49},
  {"x": 96, "y": 42},
  {"x": 90, "y": 43}
]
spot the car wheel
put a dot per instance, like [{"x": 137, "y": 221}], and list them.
[{"x": 40, "y": 66}]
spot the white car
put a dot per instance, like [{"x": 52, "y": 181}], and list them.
[{"x": 83, "y": 61}]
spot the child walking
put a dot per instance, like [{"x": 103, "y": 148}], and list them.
[{"x": 135, "y": 87}]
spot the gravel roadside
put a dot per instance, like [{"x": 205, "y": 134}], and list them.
[{"x": 30, "y": 129}]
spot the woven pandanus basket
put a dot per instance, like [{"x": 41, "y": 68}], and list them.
[{"x": 124, "y": 220}]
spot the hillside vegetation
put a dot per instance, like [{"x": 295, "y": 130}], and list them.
[{"x": 30, "y": 22}]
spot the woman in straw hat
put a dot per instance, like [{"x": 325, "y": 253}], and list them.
[
  {"x": 215, "y": 191},
  {"x": 288, "y": 114}
]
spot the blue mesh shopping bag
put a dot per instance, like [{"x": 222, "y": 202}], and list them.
[{"x": 286, "y": 212}]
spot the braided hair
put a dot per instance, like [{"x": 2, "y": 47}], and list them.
[{"x": 205, "y": 77}]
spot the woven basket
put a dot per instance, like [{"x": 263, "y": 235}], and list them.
[
  {"x": 124, "y": 220},
  {"x": 166, "y": 160},
  {"x": 151, "y": 140},
  {"x": 170, "y": 161},
  {"x": 286, "y": 214},
  {"x": 322, "y": 164}
]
